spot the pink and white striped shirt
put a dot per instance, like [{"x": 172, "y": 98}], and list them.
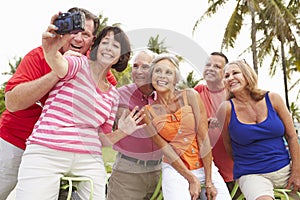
[{"x": 75, "y": 111}]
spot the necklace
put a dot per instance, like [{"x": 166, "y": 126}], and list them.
[{"x": 171, "y": 108}]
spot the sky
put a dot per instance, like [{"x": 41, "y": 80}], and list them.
[{"x": 23, "y": 23}]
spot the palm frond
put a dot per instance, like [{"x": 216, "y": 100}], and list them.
[
  {"x": 233, "y": 28},
  {"x": 212, "y": 9}
]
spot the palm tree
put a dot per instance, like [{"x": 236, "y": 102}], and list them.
[
  {"x": 273, "y": 19},
  {"x": 277, "y": 22},
  {"x": 295, "y": 110},
  {"x": 235, "y": 23},
  {"x": 190, "y": 81},
  {"x": 156, "y": 46},
  {"x": 103, "y": 23}
]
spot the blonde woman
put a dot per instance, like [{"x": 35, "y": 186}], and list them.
[
  {"x": 255, "y": 122},
  {"x": 177, "y": 122}
]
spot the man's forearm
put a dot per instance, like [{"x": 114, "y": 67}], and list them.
[
  {"x": 111, "y": 138},
  {"x": 26, "y": 94}
]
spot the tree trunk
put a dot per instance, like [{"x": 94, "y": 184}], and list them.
[
  {"x": 284, "y": 73},
  {"x": 253, "y": 36}
]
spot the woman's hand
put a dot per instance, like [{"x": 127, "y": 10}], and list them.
[
  {"x": 211, "y": 192},
  {"x": 51, "y": 41},
  {"x": 130, "y": 123},
  {"x": 294, "y": 182},
  {"x": 194, "y": 188}
]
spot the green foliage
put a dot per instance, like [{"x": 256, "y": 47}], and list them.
[
  {"x": 156, "y": 46},
  {"x": 2, "y": 102},
  {"x": 274, "y": 27},
  {"x": 103, "y": 23},
  {"x": 190, "y": 81},
  {"x": 124, "y": 77},
  {"x": 109, "y": 156},
  {"x": 295, "y": 111},
  {"x": 13, "y": 66}
]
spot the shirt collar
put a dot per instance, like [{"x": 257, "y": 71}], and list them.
[{"x": 149, "y": 98}]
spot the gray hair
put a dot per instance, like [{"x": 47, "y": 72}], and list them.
[
  {"x": 145, "y": 51},
  {"x": 172, "y": 58}
]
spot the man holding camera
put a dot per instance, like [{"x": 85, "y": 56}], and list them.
[{"x": 25, "y": 94}]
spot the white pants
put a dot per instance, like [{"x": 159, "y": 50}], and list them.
[
  {"x": 176, "y": 187},
  {"x": 10, "y": 159},
  {"x": 256, "y": 185},
  {"x": 41, "y": 169}
]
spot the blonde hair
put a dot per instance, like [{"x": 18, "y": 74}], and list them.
[
  {"x": 251, "y": 78},
  {"x": 173, "y": 59}
]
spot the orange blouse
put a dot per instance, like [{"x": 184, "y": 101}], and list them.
[{"x": 178, "y": 129}]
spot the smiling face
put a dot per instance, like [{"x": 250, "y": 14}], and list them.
[
  {"x": 83, "y": 40},
  {"x": 234, "y": 79},
  {"x": 109, "y": 50},
  {"x": 141, "y": 69},
  {"x": 213, "y": 70},
  {"x": 164, "y": 76}
]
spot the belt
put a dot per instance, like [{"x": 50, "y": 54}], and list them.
[{"x": 141, "y": 162}]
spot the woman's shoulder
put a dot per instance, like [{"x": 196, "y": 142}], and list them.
[
  {"x": 273, "y": 95},
  {"x": 276, "y": 99}
]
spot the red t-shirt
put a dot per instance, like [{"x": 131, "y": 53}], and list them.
[
  {"x": 222, "y": 160},
  {"x": 15, "y": 127}
]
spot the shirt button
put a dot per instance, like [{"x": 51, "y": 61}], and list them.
[
  {"x": 179, "y": 131},
  {"x": 173, "y": 118},
  {"x": 185, "y": 139},
  {"x": 193, "y": 150}
]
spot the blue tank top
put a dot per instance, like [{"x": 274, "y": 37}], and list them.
[{"x": 258, "y": 148}]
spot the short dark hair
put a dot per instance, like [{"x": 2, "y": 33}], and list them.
[
  {"x": 88, "y": 15},
  {"x": 122, "y": 38},
  {"x": 220, "y": 54}
]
